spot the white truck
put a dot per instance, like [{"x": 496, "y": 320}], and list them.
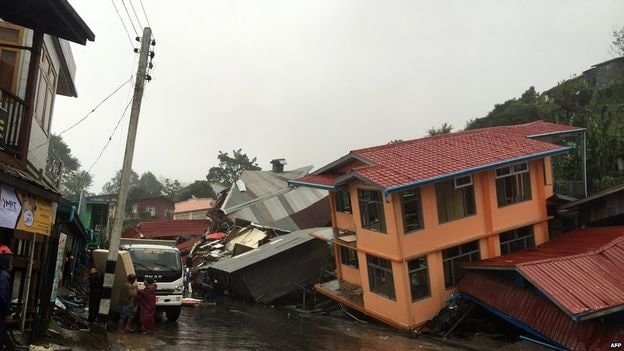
[{"x": 160, "y": 260}]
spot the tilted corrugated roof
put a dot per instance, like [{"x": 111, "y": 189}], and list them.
[
  {"x": 526, "y": 309},
  {"x": 419, "y": 161},
  {"x": 275, "y": 246},
  {"x": 269, "y": 201},
  {"x": 581, "y": 272}
]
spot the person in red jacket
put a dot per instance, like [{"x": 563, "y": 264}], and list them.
[{"x": 147, "y": 305}]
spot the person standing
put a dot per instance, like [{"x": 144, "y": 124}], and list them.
[
  {"x": 96, "y": 280},
  {"x": 126, "y": 302},
  {"x": 6, "y": 265},
  {"x": 147, "y": 305}
]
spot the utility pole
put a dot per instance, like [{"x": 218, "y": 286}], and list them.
[{"x": 113, "y": 249}]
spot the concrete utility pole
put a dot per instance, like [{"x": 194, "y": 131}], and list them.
[{"x": 113, "y": 248}]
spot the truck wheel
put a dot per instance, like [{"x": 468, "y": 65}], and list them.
[{"x": 173, "y": 313}]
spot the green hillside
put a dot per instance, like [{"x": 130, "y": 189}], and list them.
[{"x": 580, "y": 102}]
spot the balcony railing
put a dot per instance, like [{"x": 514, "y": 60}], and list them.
[
  {"x": 15, "y": 109},
  {"x": 572, "y": 188}
]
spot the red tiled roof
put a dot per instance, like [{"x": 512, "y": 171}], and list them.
[
  {"x": 323, "y": 180},
  {"x": 540, "y": 316},
  {"x": 580, "y": 271},
  {"x": 427, "y": 159},
  {"x": 167, "y": 228}
]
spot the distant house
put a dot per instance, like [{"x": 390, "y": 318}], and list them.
[
  {"x": 605, "y": 73},
  {"x": 193, "y": 208},
  {"x": 407, "y": 215},
  {"x": 265, "y": 198},
  {"x": 152, "y": 208}
]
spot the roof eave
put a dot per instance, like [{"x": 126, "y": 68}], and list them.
[
  {"x": 561, "y": 132},
  {"x": 401, "y": 187}
]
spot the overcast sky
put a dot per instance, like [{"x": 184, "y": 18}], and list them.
[{"x": 310, "y": 80}]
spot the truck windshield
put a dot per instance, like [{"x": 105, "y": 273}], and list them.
[{"x": 156, "y": 259}]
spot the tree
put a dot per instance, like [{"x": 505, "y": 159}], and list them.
[
  {"x": 443, "y": 129},
  {"x": 73, "y": 180},
  {"x": 171, "y": 188},
  {"x": 148, "y": 185},
  {"x": 113, "y": 185},
  {"x": 617, "y": 45},
  {"x": 75, "y": 183},
  {"x": 230, "y": 168},
  {"x": 199, "y": 188}
]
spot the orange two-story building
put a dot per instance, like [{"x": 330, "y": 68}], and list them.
[{"x": 407, "y": 214}]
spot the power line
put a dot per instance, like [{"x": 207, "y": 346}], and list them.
[
  {"x": 111, "y": 136},
  {"x": 87, "y": 115},
  {"x": 123, "y": 24},
  {"x": 146, "y": 18},
  {"x": 130, "y": 18},
  {"x": 135, "y": 14}
]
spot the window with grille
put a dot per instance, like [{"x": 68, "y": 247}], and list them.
[
  {"x": 455, "y": 199},
  {"x": 380, "y": 278},
  {"x": 343, "y": 202},
  {"x": 419, "y": 278},
  {"x": 348, "y": 257},
  {"x": 513, "y": 184},
  {"x": 412, "y": 210},
  {"x": 453, "y": 257},
  {"x": 517, "y": 239},
  {"x": 371, "y": 210}
]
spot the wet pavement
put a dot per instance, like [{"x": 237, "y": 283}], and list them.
[{"x": 236, "y": 325}]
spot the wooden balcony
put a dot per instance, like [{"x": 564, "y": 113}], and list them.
[{"x": 12, "y": 111}]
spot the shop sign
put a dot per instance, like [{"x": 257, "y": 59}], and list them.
[{"x": 23, "y": 211}]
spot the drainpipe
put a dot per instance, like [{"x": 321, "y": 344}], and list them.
[{"x": 29, "y": 98}]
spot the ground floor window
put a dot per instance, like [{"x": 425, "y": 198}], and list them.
[
  {"x": 453, "y": 257},
  {"x": 516, "y": 239},
  {"x": 348, "y": 257},
  {"x": 419, "y": 278},
  {"x": 380, "y": 277}
]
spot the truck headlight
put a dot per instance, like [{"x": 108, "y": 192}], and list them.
[{"x": 178, "y": 289}]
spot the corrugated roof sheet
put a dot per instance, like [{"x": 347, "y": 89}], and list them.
[
  {"x": 275, "y": 246},
  {"x": 167, "y": 228},
  {"x": 427, "y": 159},
  {"x": 270, "y": 202},
  {"x": 537, "y": 315},
  {"x": 193, "y": 204},
  {"x": 581, "y": 272}
]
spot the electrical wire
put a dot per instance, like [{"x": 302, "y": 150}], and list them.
[
  {"x": 135, "y": 14},
  {"x": 87, "y": 115},
  {"x": 146, "y": 18},
  {"x": 123, "y": 24},
  {"x": 130, "y": 18},
  {"x": 111, "y": 136}
]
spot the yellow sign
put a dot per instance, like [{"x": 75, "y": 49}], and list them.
[{"x": 36, "y": 215}]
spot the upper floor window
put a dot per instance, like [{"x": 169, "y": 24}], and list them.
[
  {"x": 452, "y": 259},
  {"x": 348, "y": 257},
  {"x": 517, "y": 239},
  {"x": 371, "y": 210},
  {"x": 513, "y": 184},
  {"x": 9, "y": 58},
  {"x": 419, "y": 278},
  {"x": 151, "y": 210},
  {"x": 455, "y": 199},
  {"x": 343, "y": 202},
  {"x": 412, "y": 210},
  {"x": 380, "y": 278},
  {"x": 45, "y": 91}
]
